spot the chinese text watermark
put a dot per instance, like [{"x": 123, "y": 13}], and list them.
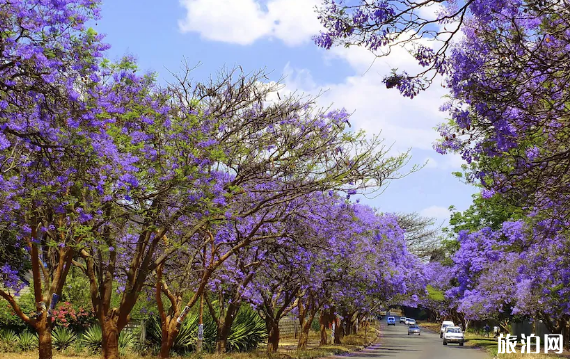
[{"x": 530, "y": 344}]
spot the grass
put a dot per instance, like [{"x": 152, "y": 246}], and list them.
[
  {"x": 434, "y": 327},
  {"x": 287, "y": 350},
  {"x": 490, "y": 346},
  {"x": 487, "y": 344}
]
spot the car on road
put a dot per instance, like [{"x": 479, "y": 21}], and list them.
[
  {"x": 391, "y": 321},
  {"x": 410, "y": 321},
  {"x": 453, "y": 335},
  {"x": 402, "y": 319},
  {"x": 445, "y": 324},
  {"x": 413, "y": 329}
]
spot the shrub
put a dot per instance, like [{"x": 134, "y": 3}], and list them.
[
  {"x": 27, "y": 341},
  {"x": 75, "y": 319},
  {"x": 9, "y": 319},
  {"x": 315, "y": 325},
  {"x": 7, "y": 340},
  {"x": 126, "y": 340},
  {"x": 248, "y": 331},
  {"x": 8, "y": 336},
  {"x": 93, "y": 339},
  {"x": 187, "y": 338},
  {"x": 62, "y": 338}
]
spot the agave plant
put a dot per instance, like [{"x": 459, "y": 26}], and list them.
[
  {"x": 248, "y": 331},
  {"x": 93, "y": 339},
  {"x": 8, "y": 336},
  {"x": 187, "y": 337},
  {"x": 127, "y": 340},
  {"x": 62, "y": 338},
  {"x": 27, "y": 340}
]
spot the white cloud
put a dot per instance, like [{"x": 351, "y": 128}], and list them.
[
  {"x": 404, "y": 122},
  {"x": 437, "y": 212},
  {"x": 245, "y": 21},
  {"x": 430, "y": 12}
]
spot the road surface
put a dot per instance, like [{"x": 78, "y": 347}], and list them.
[{"x": 396, "y": 344}]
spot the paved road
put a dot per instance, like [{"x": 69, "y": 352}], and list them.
[{"x": 396, "y": 344}]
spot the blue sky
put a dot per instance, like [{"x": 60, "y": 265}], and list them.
[{"x": 276, "y": 35}]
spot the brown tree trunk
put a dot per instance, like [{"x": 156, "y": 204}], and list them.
[
  {"x": 221, "y": 345},
  {"x": 222, "y": 337},
  {"x": 44, "y": 338},
  {"x": 110, "y": 342},
  {"x": 323, "y": 321},
  {"x": 225, "y": 326},
  {"x": 273, "y": 336},
  {"x": 169, "y": 333},
  {"x": 305, "y": 329},
  {"x": 566, "y": 334},
  {"x": 338, "y": 330}
]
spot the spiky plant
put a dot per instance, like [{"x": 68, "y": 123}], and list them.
[{"x": 62, "y": 338}]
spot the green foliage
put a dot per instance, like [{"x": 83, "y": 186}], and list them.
[
  {"x": 9, "y": 336},
  {"x": 7, "y": 339},
  {"x": 248, "y": 330},
  {"x": 93, "y": 339},
  {"x": 9, "y": 319},
  {"x": 141, "y": 309},
  {"x": 435, "y": 294},
  {"x": 186, "y": 340},
  {"x": 315, "y": 325},
  {"x": 74, "y": 290},
  {"x": 490, "y": 212},
  {"x": 127, "y": 340},
  {"x": 62, "y": 338},
  {"x": 27, "y": 340}
]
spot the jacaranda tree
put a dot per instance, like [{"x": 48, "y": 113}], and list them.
[
  {"x": 51, "y": 138},
  {"x": 271, "y": 153}
]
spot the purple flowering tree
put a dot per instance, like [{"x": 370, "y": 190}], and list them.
[
  {"x": 513, "y": 140},
  {"x": 271, "y": 152},
  {"x": 51, "y": 142},
  {"x": 518, "y": 270},
  {"x": 154, "y": 174},
  {"x": 427, "y": 29}
]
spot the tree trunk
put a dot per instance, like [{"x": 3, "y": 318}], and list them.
[
  {"x": 338, "y": 332},
  {"x": 273, "y": 336},
  {"x": 305, "y": 329},
  {"x": 110, "y": 343},
  {"x": 324, "y": 322},
  {"x": 225, "y": 326},
  {"x": 221, "y": 345},
  {"x": 169, "y": 333},
  {"x": 566, "y": 335},
  {"x": 44, "y": 337},
  {"x": 303, "y": 339}
]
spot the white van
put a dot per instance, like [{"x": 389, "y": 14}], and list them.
[{"x": 445, "y": 324}]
